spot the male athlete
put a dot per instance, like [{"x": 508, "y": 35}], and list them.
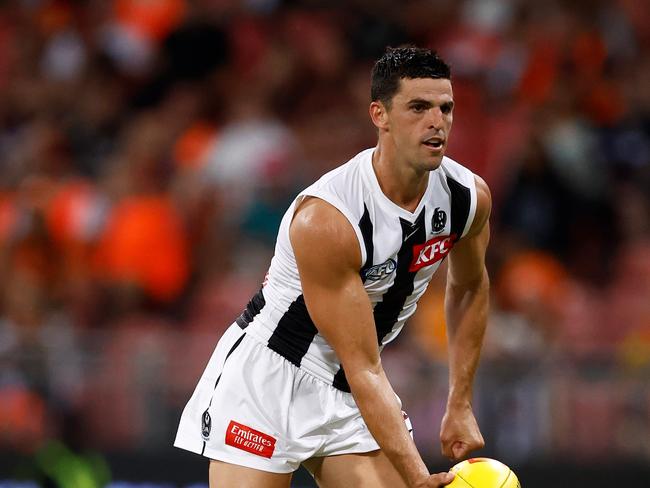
[{"x": 298, "y": 379}]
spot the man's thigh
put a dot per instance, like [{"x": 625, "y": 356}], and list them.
[
  {"x": 226, "y": 475},
  {"x": 367, "y": 470}
]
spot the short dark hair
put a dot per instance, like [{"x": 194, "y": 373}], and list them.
[{"x": 404, "y": 62}]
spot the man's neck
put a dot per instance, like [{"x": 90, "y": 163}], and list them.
[{"x": 398, "y": 180}]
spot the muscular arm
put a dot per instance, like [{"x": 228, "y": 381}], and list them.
[
  {"x": 329, "y": 258},
  {"x": 466, "y": 308}
]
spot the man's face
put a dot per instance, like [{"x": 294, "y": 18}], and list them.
[{"x": 419, "y": 121}]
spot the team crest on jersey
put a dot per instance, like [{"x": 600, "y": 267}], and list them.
[
  {"x": 438, "y": 221},
  {"x": 380, "y": 271},
  {"x": 206, "y": 425}
]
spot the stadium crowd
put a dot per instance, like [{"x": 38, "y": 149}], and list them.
[{"x": 149, "y": 149}]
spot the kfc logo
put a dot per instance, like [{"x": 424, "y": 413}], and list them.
[
  {"x": 431, "y": 251},
  {"x": 249, "y": 440}
]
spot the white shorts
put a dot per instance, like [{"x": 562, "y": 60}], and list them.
[{"x": 254, "y": 408}]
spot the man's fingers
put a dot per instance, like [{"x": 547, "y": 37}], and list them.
[
  {"x": 454, "y": 450},
  {"x": 440, "y": 479},
  {"x": 446, "y": 450},
  {"x": 474, "y": 444},
  {"x": 459, "y": 450}
]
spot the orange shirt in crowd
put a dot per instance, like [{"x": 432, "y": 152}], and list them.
[{"x": 144, "y": 243}]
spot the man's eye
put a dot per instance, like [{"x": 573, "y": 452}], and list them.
[
  {"x": 445, "y": 108},
  {"x": 417, "y": 108}
]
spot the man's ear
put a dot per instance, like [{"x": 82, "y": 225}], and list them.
[{"x": 379, "y": 115}]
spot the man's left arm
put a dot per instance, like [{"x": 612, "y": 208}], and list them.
[{"x": 466, "y": 310}]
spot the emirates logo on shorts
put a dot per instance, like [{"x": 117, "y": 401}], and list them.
[{"x": 249, "y": 440}]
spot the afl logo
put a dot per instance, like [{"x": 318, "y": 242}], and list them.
[
  {"x": 206, "y": 425},
  {"x": 438, "y": 221},
  {"x": 380, "y": 271}
]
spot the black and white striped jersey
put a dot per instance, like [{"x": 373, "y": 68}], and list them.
[{"x": 400, "y": 252}]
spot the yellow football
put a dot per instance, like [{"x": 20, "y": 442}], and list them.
[{"x": 483, "y": 473}]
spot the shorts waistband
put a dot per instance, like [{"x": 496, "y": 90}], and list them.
[{"x": 307, "y": 364}]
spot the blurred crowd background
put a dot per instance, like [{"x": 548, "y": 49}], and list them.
[{"x": 148, "y": 149}]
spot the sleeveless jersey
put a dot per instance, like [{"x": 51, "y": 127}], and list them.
[{"x": 400, "y": 251}]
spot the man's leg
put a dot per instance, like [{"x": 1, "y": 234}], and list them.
[
  {"x": 226, "y": 475},
  {"x": 367, "y": 470}
]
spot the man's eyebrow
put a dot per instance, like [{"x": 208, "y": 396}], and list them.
[
  {"x": 419, "y": 101},
  {"x": 428, "y": 103}
]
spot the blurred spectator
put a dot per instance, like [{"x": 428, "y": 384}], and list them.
[{"x": 144, "y": 246}]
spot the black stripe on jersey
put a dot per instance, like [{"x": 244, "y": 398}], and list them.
[
  {"x": 340, "y": 381},
  {"x": 232, "y": 349},
  {"x": 254, "y": 307},
  {"x": 365, "y": 225},
  {"x": 387, "y": 311},
  {"x": 460, "y": 203},
  {"x": 294, "y": 333}
]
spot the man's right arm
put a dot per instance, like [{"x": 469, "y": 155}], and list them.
[{"x": 329, "y": 258}]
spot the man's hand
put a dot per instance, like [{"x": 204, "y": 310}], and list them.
[
  {"x": 459, "y": 433},
  {"x": 436, "y": 480}
]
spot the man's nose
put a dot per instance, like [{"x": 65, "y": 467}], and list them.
[{"x": 435, "y": 118}]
